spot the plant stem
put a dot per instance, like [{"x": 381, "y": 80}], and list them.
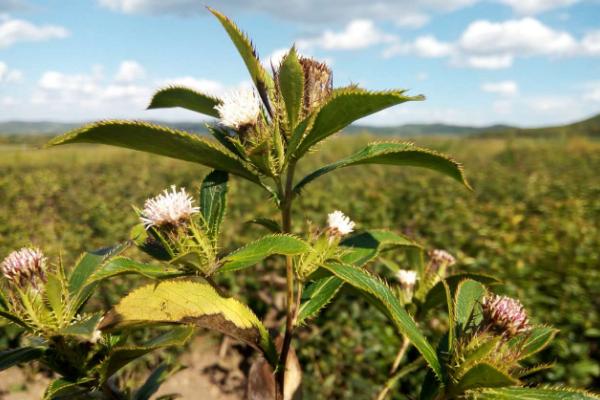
[
  {"x": 392, "y": 378},
  {"x": 286, "y": 225}
]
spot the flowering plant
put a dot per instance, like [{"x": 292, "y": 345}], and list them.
[{"x": 262, "y": 135}]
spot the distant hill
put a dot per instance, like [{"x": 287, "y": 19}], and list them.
[{"x": 588, "y": 127}]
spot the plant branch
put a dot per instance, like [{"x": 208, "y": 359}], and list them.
[
  {"x": 286, "y": 225},
  {"x": 393, "y": 379},
  {"x": 393, "y": 374}
]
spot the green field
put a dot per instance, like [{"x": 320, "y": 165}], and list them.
[{"x": 533, "y": 219}]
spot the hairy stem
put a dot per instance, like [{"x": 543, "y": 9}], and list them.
[
  {"x": 393, "y": 378},
  {"x": 286, "y": 224}
]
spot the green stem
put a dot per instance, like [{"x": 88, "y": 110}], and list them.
[
  {"x": 396, "y": 376},
  {"x": 286, "y": 225},
  {"x": 393, "y": 378}
]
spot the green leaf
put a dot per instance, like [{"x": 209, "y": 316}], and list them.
[
  {"x": 483, "y": 375},
  {"x": 14, "y": 319},
  {"x": 521, "y": 393},
  {"x": 533, "y": 341},
  {"x": 177, "y": 96},
  {"x": 84, "y": 328},
  {"x": 213, "y": 201},
  {"x": 185, "y": 302},
  {"x": 156, "y": 139},
  {"x": 54, "y": 295},
  {"x": 127, "y": 266},
  {"x": 358, "y": 250},
  {"x": 156, "y": 378},
  {"x": 468, "y": 295},
  {"x": 345, "y": 106},
  {"x": 123, "y": 355},
  {"x": 270, "y": 224},
  {"x": 262, "y": 248},
  {"x": 364, "y": 246},
  {"x": 261, "y": 78},
  {"x": 291, "y": 85},
  {"x": 9, "y": 358},
  {"x": 65, "y": 389},
  {"x": 437, "y": 294},
  {"x": 361, "y": 280},
  {"x": 87, "y": 265},
  {"x": 390, "y": 153},
  {"x": 317, "y": 296}
]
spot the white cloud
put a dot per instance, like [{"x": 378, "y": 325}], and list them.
[
  {"x": 130, "y": 71},
  {"x": 276, "y": 57},
  {"x": 207, "y": 86},
  {"x": 358, "y": 34},
  {"x": 592, "y": 91},
  {"x": 415, "y": 20},
  {"x": 530, "y": 7},
  {"x": 423, "y": 46},
  {"x": 485, "y": 62},
  {"x": 8, "y": 75},
  {"x": 504, "y": 88},
  {"x": 494, "y": 45},
  {"x": 16, "y": 30},
  {"x": 412, "y": 13},
  {"x": 526, "y": 36},
  {"x": 591, "y": 43}
]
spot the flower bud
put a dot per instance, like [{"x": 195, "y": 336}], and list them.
[
  {"x": 318, "y": 84},
  {"x": 170, "y": 209},
  {"x": 408, "y": 280},
  {"x": 505, "y": 315},
  {"x": 25, "y": 267},
  {"x": 439, "y": 260}
]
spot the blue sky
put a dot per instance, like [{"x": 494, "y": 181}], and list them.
[{"x": 524, "y": 62}]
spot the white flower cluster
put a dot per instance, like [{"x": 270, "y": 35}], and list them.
[
  {"x": 339, "y": 224},
  {"x": 168, "y": 208},
  {"x": 407, "y": 278},
  {"x": 239, "y": 108},
  {"x": 440, "y": 258},
  {"x": 24, "y": 266}
]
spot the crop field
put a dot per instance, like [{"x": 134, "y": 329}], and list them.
[{"x": 533, "y": 220}]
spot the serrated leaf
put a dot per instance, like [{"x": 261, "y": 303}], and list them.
[
  {"x": 178, "y": 96},
  {"x": 84, "y": 328},
  {"x": 468, "y": 295},
  {"x": 358, "y": 250},
  {"x": 521, "y": 393},
  {"x": 54, "y": 294},
  {"x": 213, "y": 201},
  {"x": 437, "y": 295},
  {"x": 65, "y": 389},
  {"x": 345, "y": 106},
  {"x": 262, "y": 248},
  {"x": 483, "y": 375},
  {"x": 318, "y": 295},
  {"x": 151, "y": 138},
  {"x": 87, "y": 265},
  {"x": 193, "y": 303},
  {"x": 364, "y": 246},
  {"x": 290, "y": 78},
  {"x": 533, "y": 341},
  {"x": 268, "y": 223},
  {"x": 361, "y": 280},
  {"x": 158, "y": 376},
  {"x": 11, "y": 357},
  {"x": 14, "y": 319},
  {"x": 389, "y": 153},
  {"x": 127, "y": 266},
  {"x": 261, "y": 78},
  {"x": 123, "y": 355}
]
